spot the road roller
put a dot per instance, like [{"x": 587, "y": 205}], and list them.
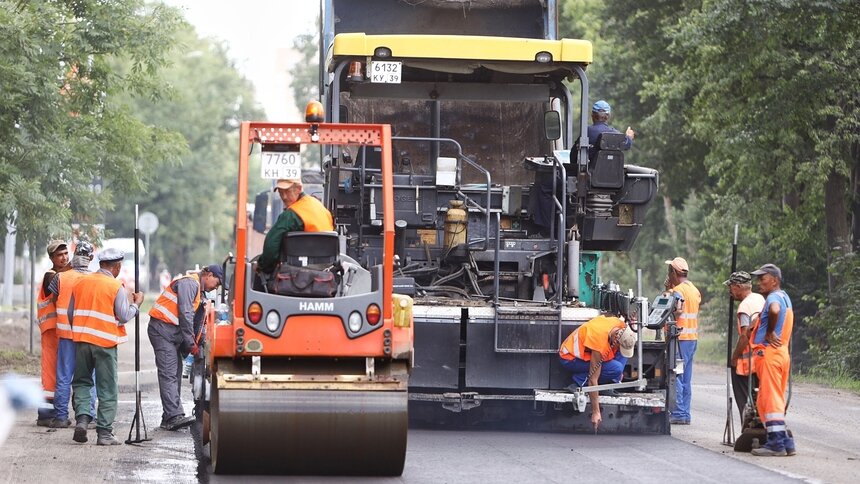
[{"x": 305, "y": 370}]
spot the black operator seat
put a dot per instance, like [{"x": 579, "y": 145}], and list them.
[
  {"x": 316, "y": 250},
  {"x": 606, "y": 164}
]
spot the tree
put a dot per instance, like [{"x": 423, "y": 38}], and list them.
[
  {"x": 68, "y": 147},
  {"x": 194, "y": 196}
]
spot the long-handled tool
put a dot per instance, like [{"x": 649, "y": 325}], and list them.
[
  {"x": 137, "y": 422},
  {"x": 729, "y": 431}
]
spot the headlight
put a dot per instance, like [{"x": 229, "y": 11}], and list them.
[
  {"x": 354, "y": 322},
  {"x": 273, "y": 321}
]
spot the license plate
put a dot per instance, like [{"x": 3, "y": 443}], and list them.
[
  {"x": 385, "y": 72},
  {"x": 275, "y": 165}
]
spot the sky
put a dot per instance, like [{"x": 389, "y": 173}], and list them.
[{"x": 259, "y": 35}]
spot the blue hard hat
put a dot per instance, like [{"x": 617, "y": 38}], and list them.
[{"x": 601, "y": 106}]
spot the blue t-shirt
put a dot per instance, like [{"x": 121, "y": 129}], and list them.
[{"x": 781, "y": 298}]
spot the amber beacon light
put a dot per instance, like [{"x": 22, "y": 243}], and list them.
[{"x": 314, "y": 112}]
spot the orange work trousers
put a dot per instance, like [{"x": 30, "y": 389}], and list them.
[
  {"x": 772, "y": 366},
  {"x": 50, "y": 341}
]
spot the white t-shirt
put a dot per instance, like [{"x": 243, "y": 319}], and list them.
[{"x": 750, "y": 306}]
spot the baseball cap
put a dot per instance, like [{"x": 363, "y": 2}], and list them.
[
  {"x": 739, "y": 277},
  {"x": 285, "y": 183},
  {"x": 768, "y": 269},
  {"x": 55, "y": 245},
  {"x": 111, "y": 254},
  {"x": 216, "y": 271},
  {"x": 627, "y": 342},
  {"x": 679, "y": 264},
  {"x": 601, "y": 106}
]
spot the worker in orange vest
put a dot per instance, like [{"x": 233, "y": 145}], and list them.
[
  {"x": 740, "y": 289},
  {"x": 687, "y": 317},
  {"x": 61, "y": 288},
  {"x": 99, "y": 309},
  {"x": 58, "y": 252},
  {"x": 173, "y": 325},
  {"x": 772, "y": 361},
  {"x": 596, "y": 353},
  {"x": 302, "y": 212}
]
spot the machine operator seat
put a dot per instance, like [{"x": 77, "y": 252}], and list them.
[
  {"x": 316, "y": 250},
  {"x": 606, "y": 163}
]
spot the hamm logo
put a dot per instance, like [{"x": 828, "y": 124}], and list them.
[{"x": 316, "y": 306}]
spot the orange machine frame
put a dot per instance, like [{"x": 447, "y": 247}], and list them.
[{"x": 312, "y": 134}]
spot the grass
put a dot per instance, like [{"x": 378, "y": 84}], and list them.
[
  {"x": 838, "y": 380},
  {"x": 17, "y": 361}
]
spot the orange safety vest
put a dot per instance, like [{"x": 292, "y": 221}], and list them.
[
  {"x": 94, "y": 319},
  {"x": 166, "y": 307},
  {"x": 784, "y": 335},
  {"x": 593, "y": 335},
  {"x": 46, "y": 310},
  {"x": 67, "y": 282},
  {"x": 744, "y": 364},
  {"x": 689, "y": 319},
  {"x": 314, "y": 215}
]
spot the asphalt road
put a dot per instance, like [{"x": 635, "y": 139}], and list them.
[{"x": 823, "y": 421}]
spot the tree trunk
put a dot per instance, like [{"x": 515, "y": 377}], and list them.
[
  {"x": 670, "y": 220},
  {"x": 836, "y": 219},
  {"x": 855, "y": 197}
]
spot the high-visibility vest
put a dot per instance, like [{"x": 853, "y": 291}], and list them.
[
  {"x": 314, "y": 215},
  {"x": 783, "y": 331},
  {"x": 94, "y": 319},
  {"x": 751, "y": 305},
  {"x": 67, "y": 282},
  {"x": 688, "y": 322},
  {"x": 166, "y": 307},
  {"x": 593, "y": 335},
  {"x": 46, "y": 310}
]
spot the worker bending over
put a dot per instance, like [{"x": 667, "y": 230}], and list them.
[
  {"x": 591, "y": 353},
  {"x": 174, "y": 323},
  {"x": 99, "y": 309},
  {"x": 772, "y": 361}
]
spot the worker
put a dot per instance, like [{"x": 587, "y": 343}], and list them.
[
  {"x": 600, "y": 114},
  {"x": 751, "y": 304},
  {"x": 61, "y": 288},
  {"x": 591, "y": 353},
  {"x": 99, "y": 308},
  {"x": 302, "y": 212},
  {"x": 58, "y": 252},
  {"x": 688, "y": 299},
  {"x": 173, "y": 322},
  {"x": 772, "y": 361}
]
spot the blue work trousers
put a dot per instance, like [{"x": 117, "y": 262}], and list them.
[
  {"x": 684, "y": 381},
  {"x": 65, "y": 374},
  {"x": 610, "y": 372}
]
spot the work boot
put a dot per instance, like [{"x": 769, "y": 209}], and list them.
[
  {"x": 678, "y": 421},
  {"x": 81, "y": 428},
  {"x": 105, "y": 437},
  {"x": 788, "y": 443},
  {"x": 177, "y": 422},
  {"x": 773, "y": 447},
  {"x": 610, "y": 393},
  {"x": 60, "y": 423},
  {"x": 44, "y": 422},
  {"x": 573, "y": 388}
]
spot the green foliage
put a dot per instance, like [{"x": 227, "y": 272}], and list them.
[
  {"x": 751, "y": 112},
  {"x": 305, "y": 73},
  {"x": 834, "y": 332},
  {"x": 69, "y": 149},
  {"x": 194, "y": 195}
]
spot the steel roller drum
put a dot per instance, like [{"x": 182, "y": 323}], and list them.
[{"x": 308, "y": 432}]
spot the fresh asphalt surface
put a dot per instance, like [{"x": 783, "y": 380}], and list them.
[{"x": 693, "y": 454}]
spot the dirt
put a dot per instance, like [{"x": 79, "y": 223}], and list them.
[{"x": 15, "y": 344}]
